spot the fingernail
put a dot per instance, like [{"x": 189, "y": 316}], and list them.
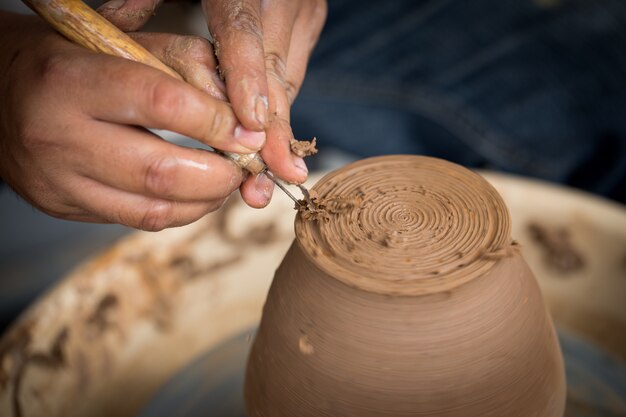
[
  {"x": 260, "y": 110},
  {"x": 300, "y": 165},
  {"x": 265, "y": 186},
  {"x": 113, "y": 4},
  {"x": 249, "y": 139}
]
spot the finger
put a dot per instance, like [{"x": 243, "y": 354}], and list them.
[
  {"x": 129, "y": 15},
  {"x": 279, "y": 21},
  {"x": 111, "y": 205},
  {"x": 304, "y": 37},
  {"x": 139, "y": 162},
  {"x": 257, "y": 190},
  {"x": 277, "y": 150},
  {"x": 238, "y": 40},
  {"x": 130, "y": 93},
  {"x": 278, "y": 156},
  {"x": 191, "y": 56}
]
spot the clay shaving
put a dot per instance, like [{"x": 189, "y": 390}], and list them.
[
  {"x": 304, "y": 148},
  {"x": 323, "y": 208}
]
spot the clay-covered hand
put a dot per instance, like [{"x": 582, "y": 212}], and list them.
[
  {"x": 263, "y": 47},
  {"x": 69, "y": 137}
]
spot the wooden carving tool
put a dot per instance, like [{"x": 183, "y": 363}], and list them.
[{"x": 84, "y": 26}]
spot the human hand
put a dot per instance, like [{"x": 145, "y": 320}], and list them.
[
  {"x": 263, "y": 47},
  {"x": 69, "y": 141}
]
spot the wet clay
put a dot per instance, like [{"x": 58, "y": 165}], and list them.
[
  {"x": 434, "y": 223},
  {"x": 304, "y": 148},
  {"x": 321, "y": 209},
  {"x": 407, "y": 297}
]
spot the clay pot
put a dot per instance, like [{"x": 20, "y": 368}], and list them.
[{"x": 411, "y": 299}]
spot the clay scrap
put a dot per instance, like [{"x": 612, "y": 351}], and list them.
[
  {"x": 304, "y": 148},
  {"x": 323, "y": 208}
]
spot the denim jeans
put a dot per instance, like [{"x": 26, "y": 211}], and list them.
[{"x": 536, "y": 88}]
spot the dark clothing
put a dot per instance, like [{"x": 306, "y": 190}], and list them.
[{"x": 500, "y": 84}]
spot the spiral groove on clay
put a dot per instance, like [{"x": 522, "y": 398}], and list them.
[{"x": 414, "y": 225}]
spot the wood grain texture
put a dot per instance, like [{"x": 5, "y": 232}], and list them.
[
  {"x": 83, "y": 25},
  {"x": 357, "y": 324}
]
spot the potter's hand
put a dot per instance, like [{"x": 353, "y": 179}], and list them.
[
  {"x": 263, "y": 47},
  {"x": 68, "y": 137}
]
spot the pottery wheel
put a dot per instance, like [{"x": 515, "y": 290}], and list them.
[
  {"x": 164, "y": 320},
  {"x": 212, "y": 383}
]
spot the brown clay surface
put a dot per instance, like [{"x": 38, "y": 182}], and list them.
[
  {"x": 433, "y": 224},
  {"x": 409, "y": 300},
  {"x": 321, "y": 209},
  {"x": 303, "y": 148}
]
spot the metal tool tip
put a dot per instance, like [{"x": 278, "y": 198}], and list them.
[
  {"x": 308, "y": 201},
  {"x": 282, "y": 187}
]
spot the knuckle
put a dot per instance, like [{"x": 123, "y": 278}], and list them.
[
  {"x": 242, "y": 18},
  {"x": 54, "y": 68},
  {"x": 231, "y": 184},
  {"x": 160, "y": 176},
  {"x": 157, "y": 216},
  {"x": 218, "y": 125},
  {"x": 276, "y": 66},
  {"x": 226, "y": 181},
  {"x": 197, "y": 48},
  {"x": 165, "y": 100}
]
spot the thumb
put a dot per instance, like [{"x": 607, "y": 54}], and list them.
[{"x": 129, "y": 15}]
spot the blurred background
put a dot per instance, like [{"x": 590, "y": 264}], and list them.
[{"x": 530, "y": 87}]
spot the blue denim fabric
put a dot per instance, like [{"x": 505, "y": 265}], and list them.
[{"x": 533, "y": 88}]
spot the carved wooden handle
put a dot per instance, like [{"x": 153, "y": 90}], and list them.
[
  {"x": 251, "y": 162},
  {"x": 83, "y": 25}
]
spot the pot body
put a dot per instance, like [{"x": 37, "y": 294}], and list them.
[
  {"x": 486, "y": 348},
  {"x": 408, "y": 299}
]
